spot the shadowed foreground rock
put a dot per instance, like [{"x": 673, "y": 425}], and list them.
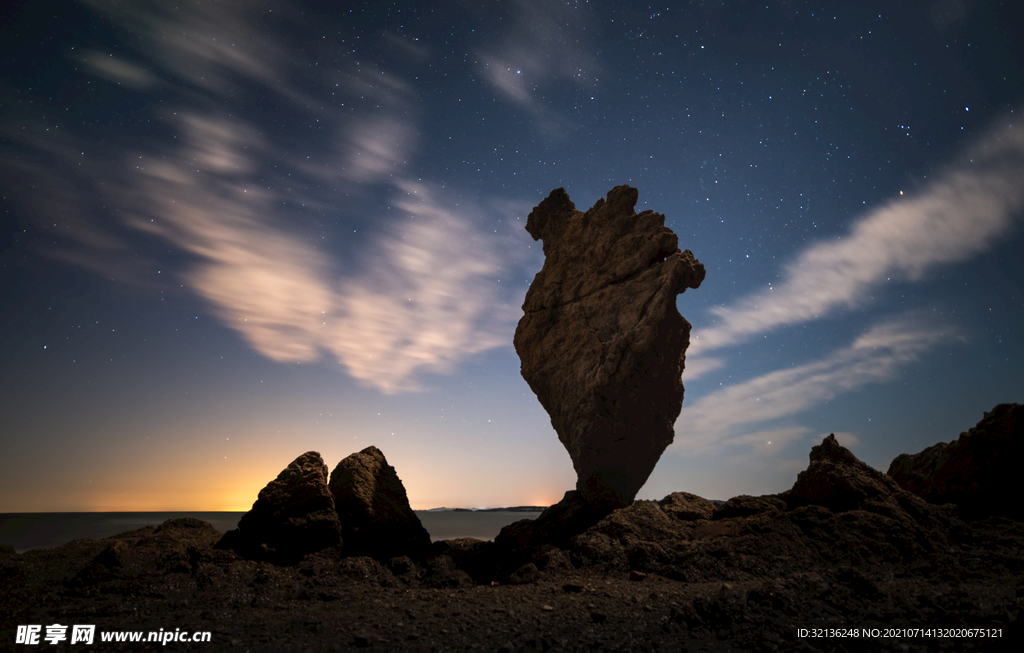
[
  {"x": 376, "y": 518},
  {"x": 601, "y": 341},
  {"x": 845, "y": 548},
  {"x": 293, "y": 515},
  {"x": 980, "y": 471}
]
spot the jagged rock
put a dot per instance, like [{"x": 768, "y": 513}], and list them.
[
  {"x": 103, "y": 567},
  {"x": 840, "y": 511},
  {"x": 837, "y": 480},
  {"x": 293, "y": 515},
  {"x": 601, "y": 341},
  {"x": 533, "y": 540},
  {"x": 686, "y": 506},
  {"x": 978, "y": 472},
  {"x": 443, "y": 572},
  {"x": 621, "y": 539},
  {"x": 376, "y": 518},
  {"x": 568, "y": 517},
  {"x": 744, "y": 581},
  {"x": 528, "y": 573},
  {"x": 745, "y": 505},
  {"x": 365, "y": 568}
]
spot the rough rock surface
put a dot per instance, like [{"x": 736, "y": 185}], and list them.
[
  {"x": 650, "y": 576},
  {"x": 840, "y": 511},
  {"x": 838, "y": 481},
  {"x": 554, "y": 526},
  {"x": 686, "y": 506},
  {"x": 293, "y": 515},
  {"x": 601, "y": 341},
  {"x": 376, "y": 518},
  {"x": 979, "y": 472}
]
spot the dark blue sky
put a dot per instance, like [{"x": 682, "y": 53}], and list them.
[{"x": 237, "y": 231}]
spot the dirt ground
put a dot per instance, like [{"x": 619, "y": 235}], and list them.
[{"x": 171, "y": 578}]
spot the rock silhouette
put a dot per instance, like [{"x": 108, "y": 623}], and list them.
[
  {"x": 373, "y": 508},
  {"x": 686, "y": 506},
  {"x": 601, "y": 341},
  {"x": 846, "y": 547},
  {"x": 293, "y": 515},
  {"x": 835, "y": 479},
  {"x": 978, "y": 471},
  {"x": 840, "y": 511}
]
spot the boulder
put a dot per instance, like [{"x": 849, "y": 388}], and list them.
[
  {"x": 977, "y": 471},
  {"x": 686, "y": 506},
  {"x": 293, "y": 515},
  {"x": 868, "y": 503},
  {"x": 555, "y": 525},
  {"x": 745, "y": 505},
  {"x": 837, "y": 480},
  {"x": 601, "y": 341},
  {"x": 376, "y": 519}
]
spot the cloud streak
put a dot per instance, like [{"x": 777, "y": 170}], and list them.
[
  {"x": 951, "y": 220},
  {"x": 428, "y": 287},
  {"x": 547, "y": 44},
  {"x": 117, "y": 70},
  {"x": 725, "y": 417},
  {"x": 429, "y": 298},
  {"x": 425, "y": 297}
]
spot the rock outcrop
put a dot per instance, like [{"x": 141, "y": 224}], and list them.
[
  {"x": 978, "y": 472},
  {"x": 686, "y": 506},
  {"x": 840, "y": 511},
  {"x": 601, "y": 341},
  {"x": 837, "y": 480},
  {"x": 376, "y": 518},
  {"x": 568, "y": 517},
  {"x": 293, "y": 515},
  {"x": 845, "y": 546}
]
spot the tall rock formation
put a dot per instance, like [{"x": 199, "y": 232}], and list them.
[
  {"x": 293, "y": 515},
  {"x": 979, "y": 471},
  {"x": 376, "y": 518},
  {"x": 601, "y": 341}
]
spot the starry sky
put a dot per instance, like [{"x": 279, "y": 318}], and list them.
[{"x": 237, "y": 231}]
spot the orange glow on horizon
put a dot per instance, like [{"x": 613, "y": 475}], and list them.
[{"x": 180, "y": 477}]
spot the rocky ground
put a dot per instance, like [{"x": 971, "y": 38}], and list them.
[
  {"x": 845, "y": 548},
  {"x": 170, "y": 577}
]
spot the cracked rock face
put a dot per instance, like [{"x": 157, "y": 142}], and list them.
[
  {"x": 293, "y": 515},
  {"x": 601, "y": 341},
  {"x": 376, "y": 519},
  {"x": 978, "y": 471}
]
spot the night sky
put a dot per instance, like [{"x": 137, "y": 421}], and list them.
[{"x": 234, "y": 232}]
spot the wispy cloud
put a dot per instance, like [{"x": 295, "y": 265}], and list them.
[
  {"x": 951, "y": 220},
  {"x": 366, "y": 114},
  {"x": 725, "y": 418},
  {"x": 378, "y": 147},
  {"x": 426, "y": 296},
  {"x": 546, "y": 44},
  {"x": 117, "y": 70},
  {"x": 211, "y": 45},
  {"x": 436, "y": 280},
  {"x": 430, "y": 297}
]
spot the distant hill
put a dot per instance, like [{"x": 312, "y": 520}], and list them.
[{"x": 510, "y": 509}]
